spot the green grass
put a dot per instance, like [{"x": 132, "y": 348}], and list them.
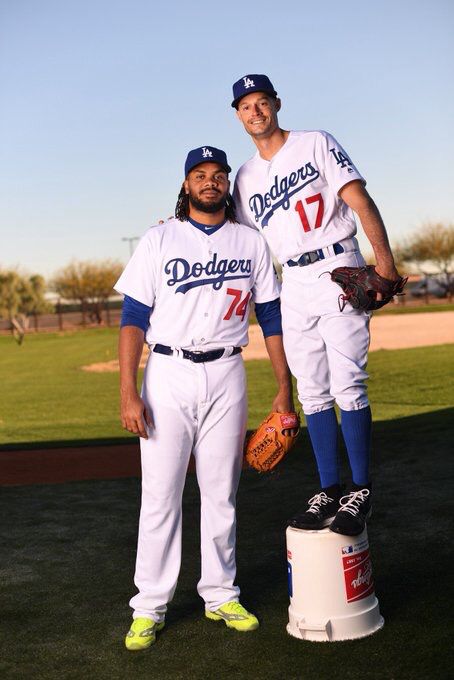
[
  {"x": 68, "y": 550},
  {"x": 47, "y": 397},
  {"x": 68, "y": 559}
]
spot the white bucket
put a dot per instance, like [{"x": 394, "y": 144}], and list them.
[{"x": 331, "y": 586}]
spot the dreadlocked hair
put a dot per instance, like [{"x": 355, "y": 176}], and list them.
[{"x": 182, "y": 207}]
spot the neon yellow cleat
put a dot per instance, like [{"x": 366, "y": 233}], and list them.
[
  {"x": 142, "y": 634},
  {"x": 235, "y": 616}
]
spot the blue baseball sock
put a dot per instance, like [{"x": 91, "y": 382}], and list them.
[
  {"x": 356, "y": 429},
  {"x": 323, "y": 431}
]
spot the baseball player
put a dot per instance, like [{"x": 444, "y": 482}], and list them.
[
  {"x": 187, "y": 291},
  {"x": 300, "y": 190}
]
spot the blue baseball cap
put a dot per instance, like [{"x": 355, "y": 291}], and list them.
[
  {"x": 206, "y": 154},
  {"x": 253, "y": 82}
]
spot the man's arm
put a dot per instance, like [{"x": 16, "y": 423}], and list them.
[
  {"x": 357, "y": 198},
  {"x": 283, "y": 402},
  {"x": 133, "y": 412},
  {"x": 269, "y": 317}
]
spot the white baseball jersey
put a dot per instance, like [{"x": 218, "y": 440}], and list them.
[
  {"x": 294, "y": 198},
  {"x": 199, "y": 285}
]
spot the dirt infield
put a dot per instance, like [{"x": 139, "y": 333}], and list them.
[
  {"x": 110, "y": 462},
  {"x": 55, "y": 466},
  {"x": 398, "y": 331},
  {"x": 75, "y": 463}
]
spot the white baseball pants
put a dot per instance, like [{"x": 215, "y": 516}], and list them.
[
  {"x": 326, "y": 349},
  {"x": 200, "y": 408}
]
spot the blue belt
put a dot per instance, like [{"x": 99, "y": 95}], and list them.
[
  {"x": 313, "y": 256},
  {"x": 196, "y": 357}
]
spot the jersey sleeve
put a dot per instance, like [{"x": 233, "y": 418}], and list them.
[
  {"x": 269, "y": 317},
  {"x": 337, "y": 165},
  {"x": 138, "y": 279},
  {"x": 134, "y": 313},
  {"x": 266, "y": 285}
]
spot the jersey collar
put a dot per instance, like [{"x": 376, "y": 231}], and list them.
[{"x": 206, "y": 228}]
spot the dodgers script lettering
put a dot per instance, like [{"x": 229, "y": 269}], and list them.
[
  {"x": 278, "y": 195},
  {"x": 215, "y": 270}
]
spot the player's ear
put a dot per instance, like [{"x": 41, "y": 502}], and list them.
[
  {"x": 278, "y": 104},
  {"x": 186, "y": 186}
]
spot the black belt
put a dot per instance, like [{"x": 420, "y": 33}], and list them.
[
  {"x": 196, "y": 357},
  {"x": 313, "y": 256}
]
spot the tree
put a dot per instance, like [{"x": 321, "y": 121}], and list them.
[
  {"x": 20, "y": 297},
  {"x": 70, "y": 283},
  {"x": 101, "y": 278},
  {"x": 90, "y": 283},
  {"x": 432, "y": 247}
]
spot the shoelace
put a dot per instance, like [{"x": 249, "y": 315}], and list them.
[
  {"x": 317, "y": 501},
  {"x": 136, "y": 628},
  {"x": 353, "y": 501},
  {"x": 237, "y": 608}
]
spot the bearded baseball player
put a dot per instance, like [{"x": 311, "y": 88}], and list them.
[
  {"x": 187, "y": 291},
  {"x": 300, "y": 190}
]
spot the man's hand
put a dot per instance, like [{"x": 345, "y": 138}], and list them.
[
  {"x": 134, "y": 415},
  {"x": 387, "y": 271},
  {"x": 283, "y": 403}
]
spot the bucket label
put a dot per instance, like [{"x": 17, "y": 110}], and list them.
[
  {"x": 289, "y": 579},
  {"x": 358, "y": 576},
  {"x": 356, "y": 547}
]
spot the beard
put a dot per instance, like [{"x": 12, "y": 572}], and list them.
[{"x": 208, "y": 207}]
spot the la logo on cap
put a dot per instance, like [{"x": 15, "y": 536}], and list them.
[
  {"x": 206, "y": 154},
  {"x": 255, "y": 82}
]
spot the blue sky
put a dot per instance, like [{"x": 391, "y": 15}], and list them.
[{"x": 102, "y": 99}]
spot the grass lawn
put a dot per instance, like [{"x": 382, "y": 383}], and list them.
[
  {"x": 47, "y": 397},
  {"x": 68, "y": 550},
  {"x": 68, "y": 559}
]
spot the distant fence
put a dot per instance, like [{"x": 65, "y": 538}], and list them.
[
  {"x": 76, "y": 319},
  {"x": 63, "y": 320}
]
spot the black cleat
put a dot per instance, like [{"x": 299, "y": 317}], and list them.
[
  {"x": 355, "y": 509},
  {"x": 321, "y": 511}
]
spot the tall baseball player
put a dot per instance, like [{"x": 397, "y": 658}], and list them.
[
  {"x": 300, "y": 190},
  {"x": 187, "y": 291}
]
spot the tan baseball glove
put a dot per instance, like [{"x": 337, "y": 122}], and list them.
[{"x": 268, "y": 444}]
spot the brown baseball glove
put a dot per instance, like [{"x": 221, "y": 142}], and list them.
[
  {"x": 361, "y": 285},
  {"x": 268, "y": 444}
]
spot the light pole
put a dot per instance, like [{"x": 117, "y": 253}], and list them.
[{"x": 131, "y": 240}]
